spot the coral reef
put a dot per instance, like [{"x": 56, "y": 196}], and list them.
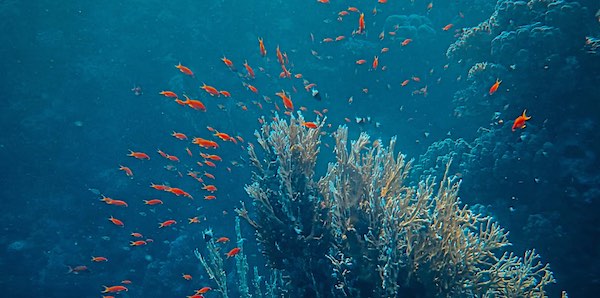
[
  {"x": 530, "y": 43},
  {"x": 361, "y": 230}
]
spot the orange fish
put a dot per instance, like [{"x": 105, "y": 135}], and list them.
[
  {"x": 385, "y": 50},
  {"x": 210, "y": 90},
  {"x": 520, "y": 121},
  {"x": 249, "y": 69},
  {"x": 99, "y": 259},
  {"x": 195, "y": 104},
  {"x": 203, "y": 290},
  {"x": 323, "y": 1},
  {"x": 261, "y": 45},
  {"x": 126, "y": 282},
  {"x": 375, "y": 62},
  {"x": 209, "y": 175},
  {"x": 186, "y": 276},
  {"x": 406, "y": 42},
  {"x": 361, "y": 23},
  {"x": 382, "y": 1},
  {"x": 210, "y": 163},
  {"x": 127, "y": 170},
  {"x": 341, "y": 37},
  {"x": 136, "y": 235},
  {"x": 137, "y": 243},
  {"x": 328, "y": 39},
  {"x": 234, "y": 251},
  {"x": 153, "y": 202},
  {"x": 210, "y": 188},
  {"x": 193, "y": 220},
  {"x": 225, "y": 93},
  {"x": 448, "y": 27},
  {"x": 116, "y": 221},
  {"x": 138, "y": 155},
  {"x": 227, "y": 62},
  {"x": 209, "y": 197},
  {"x": 114, "y": 289},
  {"x": 173, "y": 158},
  {"x": 205, "y": 143},
  {"x": 309, "y": 124},
  {"x": 279, "y": 55},
  {"x": 159, "y": 186},
  {"x": 166, "y": 223},
  {"x": 222, "y": 240},
  {"x": 361, "y": 61},
  {"x": 287, "y": 102},
  {"x": 494, "y": 87},
  {"x": 184, "y": 69},
  {"x": 168, "y": 94},
  {"x": 179, "y": 135}
]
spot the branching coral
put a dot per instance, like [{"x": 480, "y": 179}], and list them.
[{"x": 361, "y": 231}]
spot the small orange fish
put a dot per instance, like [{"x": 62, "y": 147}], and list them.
[
  {"x": 168, "y": 94},
  {"x": 137, "y": 243},
  {"x": 166, "y": 223},
  {"x": 210, "y": 188},
  {"x": 249, "y": 69},
  {"x": 184, "y": 69},
  {"x": 126, "y": 282},
  {"x": 153, "y": 202},
  {"x": 179, "y": 135},
  {"x": 138, "y": 155},
  {"x": 127, "y": 170},
  {"x": 136, "y": 235},
  {"x": 261, "y": 45},
  {"x": 193, "y": 220},
  {"x": 375, "y": 62},
  {"x": 361, "y": 61},
  {"x": 186, "y": 276},
  {"x": 448, "y": 27},
  {"x": 520, "y": 121},
  {"x": 328, "y": 39},
  {"x": 406, "y": 42},
  {"x": 234, "y": 251},
  {"x": 385, "y": 50},
  {"x": 361, "y": 24},
  {"x": 210, "y": 90},
  {"x": 287, "y": 102},
  {"x": 114, "y": 289},
  {"x": 323, "y": 1},
  {"x": 382, "y": 1},
  {"x": 225, "y": 93},
  {"x": 203, "y": 290},
  {"x": 494, "y": 87},
  {"x": 99, "y": 259},
  {"x": 227, "y": 62},
  {"x": 116, "y": 222},
  {"x": 222, "y": 240},
  {"x": 309, "y": 124},
  {"x": 339, "y": 38},
  {"x": 209, "y": 197}
]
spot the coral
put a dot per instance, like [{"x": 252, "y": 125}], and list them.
[
  {"x": 362, "y": 231},
  {"x": 532, "y": 43}
]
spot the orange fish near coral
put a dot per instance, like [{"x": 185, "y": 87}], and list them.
[
  {"x": 520, "y": 121},
  {"x": 287, "y": 102},
  {"x": 234, "y": 251},
  {"x": 494, "y": 87}
]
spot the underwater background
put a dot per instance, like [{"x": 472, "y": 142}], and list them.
[{"x": 81, "y": 83}]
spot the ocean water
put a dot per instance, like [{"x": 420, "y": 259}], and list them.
[{"x": 81, "y": 83}]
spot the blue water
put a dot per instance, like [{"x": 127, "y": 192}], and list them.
[{"x": 69, "y": 117}]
